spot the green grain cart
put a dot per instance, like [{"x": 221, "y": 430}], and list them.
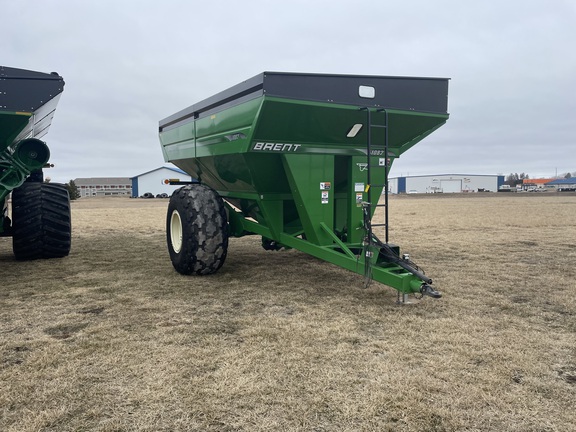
[
  {"x": 38, "y": 218},
  {"x": 301, "y": 160}
]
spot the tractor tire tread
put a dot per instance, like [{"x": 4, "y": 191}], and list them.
[
  {"x": 205, "y": 230},
  {"x": 41, "y": 221}
]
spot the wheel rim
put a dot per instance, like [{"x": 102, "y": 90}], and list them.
[{"x": 176, "y": 231}]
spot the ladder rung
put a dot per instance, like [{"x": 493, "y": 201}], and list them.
[
  {"x": 378, "y": 225},
  {"x": 375, "y": 205}
]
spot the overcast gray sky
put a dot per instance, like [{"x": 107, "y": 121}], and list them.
[{"x": 130, "y": 63}]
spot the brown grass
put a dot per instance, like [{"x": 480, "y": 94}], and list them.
[{"x": 111, "y": 338}]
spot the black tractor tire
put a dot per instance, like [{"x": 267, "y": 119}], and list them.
[
  {"x": 41, "y": 221},
  {"x": 197, "y": 230}
]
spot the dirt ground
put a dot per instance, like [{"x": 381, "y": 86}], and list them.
[{"x": 111, "y": 338}]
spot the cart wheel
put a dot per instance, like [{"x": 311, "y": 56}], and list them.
[
  {"x": 197, "y": 230},
  {"x": 41, "y": 221}
]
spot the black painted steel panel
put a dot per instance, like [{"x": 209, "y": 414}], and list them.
[
  {"x": 26, "y": 91},
  {"x": 403, "y": 93}
]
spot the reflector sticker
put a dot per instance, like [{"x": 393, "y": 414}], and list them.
[{"x": 354, "y": 130}]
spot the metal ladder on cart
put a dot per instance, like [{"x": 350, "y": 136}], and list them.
[
  {"x": 367, "y": 206},
  {"x": 372, "y": 242}
]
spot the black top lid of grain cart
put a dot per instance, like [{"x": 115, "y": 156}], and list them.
[
  {"x": 25, "y": 90},
  {"x": 403, "y": 93}
]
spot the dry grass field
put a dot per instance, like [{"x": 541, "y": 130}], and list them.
[{"x": 111, "y": 338}]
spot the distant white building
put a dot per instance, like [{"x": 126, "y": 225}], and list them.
[
  {"x": 148, "y": 182},
  {"x": 153, "y": 181},
  {"x": 446, "y": 183},
  {"x": 103, "y": 186}
]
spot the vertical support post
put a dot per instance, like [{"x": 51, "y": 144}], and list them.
[
  {"x": 402, "y": 298},
  {"x": 355, "y": 212},
  {"x": 367, "y": 206},
  {"x": 386, "y": 170},
  {"x": 368, "y": 154}
]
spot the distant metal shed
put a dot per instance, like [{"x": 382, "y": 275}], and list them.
[
  {"x": 563, "y": 184},
  {"x": 153, "y": 181},
  {"x": 446, "y": 183}
]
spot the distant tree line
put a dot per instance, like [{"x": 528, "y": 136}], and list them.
[
  {"x": 72, "y": 190},
  {"x": 514, "y": 179},
  {"x": 567, "y": 175}
]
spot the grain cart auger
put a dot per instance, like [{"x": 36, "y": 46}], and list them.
[
  {"x": 39, "y": 221},
  {"x": 301, "y": 160}
]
